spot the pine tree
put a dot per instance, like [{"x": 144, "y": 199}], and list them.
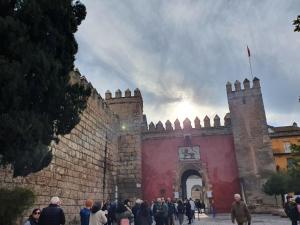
[{"x": 37, "y": 101}]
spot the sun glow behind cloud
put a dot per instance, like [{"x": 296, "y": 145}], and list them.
[
  {"x": 185, "y": 108},
  {"x": 192, "y": 47}
]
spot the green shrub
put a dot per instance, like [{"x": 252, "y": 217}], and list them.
[{"x": 13, "y": 203}]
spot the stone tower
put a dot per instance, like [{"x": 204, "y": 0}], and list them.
[
  {"x": 130, "y": 112},
  {"x": 252, "y": 143}
]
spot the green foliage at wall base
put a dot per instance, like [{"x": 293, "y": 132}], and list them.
[{"x": 13, "y": 204}]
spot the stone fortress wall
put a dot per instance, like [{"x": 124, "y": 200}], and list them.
[
  {"x": 105, "y": 149},
  {"x": 84, "y": 162},
  {"x": 251, "y": 139}
]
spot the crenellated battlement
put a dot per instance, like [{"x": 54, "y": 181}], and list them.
[
  {"x": 119, "y": 94},
  {"x": 246, "y": 85},
  {"x": 95, "y": 98},
  {"x": 187, "y": 124}
]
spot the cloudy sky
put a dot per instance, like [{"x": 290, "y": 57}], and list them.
[{"x": 181, "y": 53}]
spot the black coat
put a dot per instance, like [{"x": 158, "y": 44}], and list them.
[{"x": 52, "y": 215}]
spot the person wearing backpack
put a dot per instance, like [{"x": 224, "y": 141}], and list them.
[
  {"x": 297, "y": 200},
  {"x": 144, "y": 214},
  {"x": 291, "y": 210}
]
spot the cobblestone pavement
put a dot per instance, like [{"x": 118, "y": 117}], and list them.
[{"x": 224, "y": 219}]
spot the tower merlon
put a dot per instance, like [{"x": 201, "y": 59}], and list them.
[
  {"x": 197, "y": 123},
  {"x": 118, "y": 94},
  {"x": 227, "y": 120},
  {"x": 217, "y": 122},
  {"x": 246, "y": 84},
  {"x": 237, "y": 85},
  {"x": 108, "y": 95},
  {"x": 137, "y": 92},
  {"x": 206, "y": 121},
  {"x": 177, "y": 125},
  {"x": 229, "y": 87},
  {"x": 151, "y": 126},
  {"x": 160, "y": 126},
  {"x": 168, "y": 125},
  {"x": 187, "y": 124},
  {"x": 256, "y": 83},
  {"x": 127, "y": 93}
]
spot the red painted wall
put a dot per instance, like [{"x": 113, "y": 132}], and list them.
[{"x": 160, "y": 161}]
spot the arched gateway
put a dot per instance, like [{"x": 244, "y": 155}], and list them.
[{"x": 196, "y": 182}]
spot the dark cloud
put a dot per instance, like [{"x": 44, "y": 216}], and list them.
[{"x": 188, "y": 50}]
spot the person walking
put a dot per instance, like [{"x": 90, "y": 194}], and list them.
[
  {"x": 291, "y": 210},
  {"x": 171, "y": 212},
  {"x": 180, "y": 211},
  {"x": 85, "y": 212},
  {"x": 144, "y": 214},
  {"x": 158, "y": 212},
  {"x": 202, "y": 207},
  {"x": 97, "y": 216},
  {"x": 239, "y": 211},
  {"x": 53, "y": 214},
  {"x": 135, "y": 210},
  {"x": 123, "y": 213},
  {"x": 188, "y": 210},
  {"x": 297, "y": 200},
  {"x": 165, "y": 212},
  {"x": 193, "y": 207},
  {"x": 34, "y": 217},
  {"x": 198, "y": 207}
]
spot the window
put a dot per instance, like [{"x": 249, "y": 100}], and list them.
[{"x": 287, "y": 147}]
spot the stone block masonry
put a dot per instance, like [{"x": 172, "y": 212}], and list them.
[
  {"x": 252, "y": 143},
  {"x": 130, "y": 112},
  {"x": 77, "y": 169}
]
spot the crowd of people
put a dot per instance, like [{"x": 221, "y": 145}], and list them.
[{"x": 161, "y": 212}]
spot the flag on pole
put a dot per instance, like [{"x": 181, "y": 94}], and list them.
[{"x": 248, "y": 50}]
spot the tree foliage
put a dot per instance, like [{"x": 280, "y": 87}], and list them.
[
  {"x": 13, "y": 204},
  {"x": 294, "y": 170},
  {"x": 276, "y": 184},
  {"x": 296, "y": 23},
  {"x": 37, "y": 102},
  {"x": 283, "y": 182}
]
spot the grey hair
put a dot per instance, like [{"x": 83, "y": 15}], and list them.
[{"x": 55, "y": 200}]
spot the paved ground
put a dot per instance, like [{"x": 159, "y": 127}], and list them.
[{"x": 224, "y": 219}]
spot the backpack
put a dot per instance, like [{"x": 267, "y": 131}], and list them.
[{"x": 292, "y": 211}]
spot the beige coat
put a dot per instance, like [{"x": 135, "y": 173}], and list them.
[
  {"x": 98, "y": 218},
  {"x": 240, "y": 212}
]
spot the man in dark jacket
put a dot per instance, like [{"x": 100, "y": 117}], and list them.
[
  {"x": 239, "y": 211},
  {"x": 171, "y": 212},
  {"x": 53, "y": 214}
]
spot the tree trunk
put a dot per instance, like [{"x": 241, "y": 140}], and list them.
[
  {"x": 282, "y": 200},
  {"x": 276, "y": 200}
]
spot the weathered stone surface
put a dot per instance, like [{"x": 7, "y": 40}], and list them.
[
  {"x": 252, "y": 143},
  {"x": 76, "y": 171}
]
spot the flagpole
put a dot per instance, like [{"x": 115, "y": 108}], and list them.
[
  {"x": 250, "y": 67},
  {"x": 249, "y": 57}
]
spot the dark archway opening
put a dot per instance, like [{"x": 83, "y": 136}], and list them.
[{"x": 184, "y": 177}]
